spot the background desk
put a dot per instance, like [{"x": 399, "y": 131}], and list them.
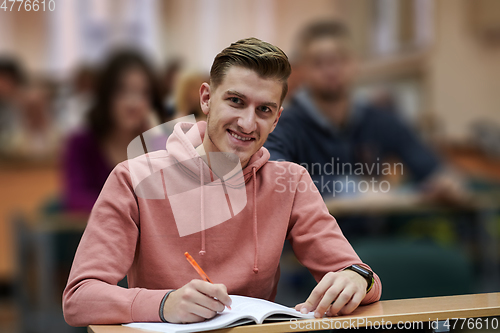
[
  {"x": 418, "y": 309},
  {"x": 23, "y": 189},
  {"x": 483, "y": 208}
]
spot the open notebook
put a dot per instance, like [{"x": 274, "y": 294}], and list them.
[{"x": 244, "y": 310}]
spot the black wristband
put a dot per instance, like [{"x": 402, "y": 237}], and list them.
[
  {"x": 162, "y": 304},
  {"x": 367, "y": 274}
]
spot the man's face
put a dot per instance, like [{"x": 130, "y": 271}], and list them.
[
  {"x": 130, "y": 104},
  {"x": 327, "y": 68},
  {"x": 241, "y": 112},
  {"x": 8, "y": 87}
]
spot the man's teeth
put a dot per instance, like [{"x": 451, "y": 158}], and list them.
[{"x": 239, "y": 137}]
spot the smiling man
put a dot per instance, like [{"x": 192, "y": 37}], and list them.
[
  {"x": 128, "y": 234},
  {"x": 248, "y": 107}
]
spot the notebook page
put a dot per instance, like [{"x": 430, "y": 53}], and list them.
[
  {"x": 224, "y": 319},
  {"x": 261, "y": 309},
  {"x": 243, "y": 310}
]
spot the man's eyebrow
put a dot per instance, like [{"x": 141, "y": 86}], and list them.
[
  {"x": 270, "y": 104},
  {"x": 234, "y": 92}
]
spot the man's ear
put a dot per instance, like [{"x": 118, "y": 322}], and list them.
[
  {"x": 205, "y": 98},
  {"x": 276, "y": 120}
]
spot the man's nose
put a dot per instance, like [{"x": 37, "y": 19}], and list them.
[{"x": 246, "y": 120}]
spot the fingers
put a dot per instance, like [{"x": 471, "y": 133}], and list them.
[
  {"x": 335, "y": 293},
  {"x": 218, "y": 291},
  {"x": 201, "y": 311},
  {"x": 339, "y": 292},
  {"x": 299, "y": 306},
  {"x": 196, "y": 301},
  {"x": 180, "y": 309},
  {"x": 201, "y": 299},
  {"x": 343, "y": 298},
  {"x": 317, "y": 294},
  {"x": 189, "y": 317},
  {"x": 353, "y": 303}
]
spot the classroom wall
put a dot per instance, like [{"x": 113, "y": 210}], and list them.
[
  {"x": 464, "y": 74},
  {"x": 198, "y": 35},
  {"x": 27, "y": 41}
]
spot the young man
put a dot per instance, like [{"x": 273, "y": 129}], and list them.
[
  {"x": 323, "y": 126},
  {"x": 129, "y": 234}
]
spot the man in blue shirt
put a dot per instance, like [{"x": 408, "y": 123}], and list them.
[{"x": 341, "y": 142}]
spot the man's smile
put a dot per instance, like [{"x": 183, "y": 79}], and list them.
[{"x": 240, "y": 138}]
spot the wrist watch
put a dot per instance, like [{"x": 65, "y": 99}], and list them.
[{"x": 367, "y": 274}]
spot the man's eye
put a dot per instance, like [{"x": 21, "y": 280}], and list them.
[
  {"x": 235, "y": 100},
  {"x": 265, "y": 109}
]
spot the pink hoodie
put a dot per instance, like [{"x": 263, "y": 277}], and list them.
[{"x": 129, "y": 234}]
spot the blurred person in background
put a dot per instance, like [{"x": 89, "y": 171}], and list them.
[
  {"x": 11, "y": 81},
  {"x": 294, "y": 83},
  {"x": 187, "y": 95},
  {"x": 322, "y": 123},
  {"x": 36, "y": 137},
  {"x": 169, "y": 82},
  {"x": 127, "y": 103},
  {"x": 77, "y": 104}
]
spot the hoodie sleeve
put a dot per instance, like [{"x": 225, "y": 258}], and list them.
[
  {"x": 104, "y": 255},
  {"x": 316, "y": 237}
]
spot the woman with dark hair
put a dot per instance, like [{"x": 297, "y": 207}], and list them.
[{"x": 127, "y": 103}]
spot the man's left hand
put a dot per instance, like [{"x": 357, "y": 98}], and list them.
[{"x": 336, "y": 293}]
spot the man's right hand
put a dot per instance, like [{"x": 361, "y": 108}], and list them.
[{"x": 196, "y": 301}]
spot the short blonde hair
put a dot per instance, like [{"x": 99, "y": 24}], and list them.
[{"x": 267, "y": 60}]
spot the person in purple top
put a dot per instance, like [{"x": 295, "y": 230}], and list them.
[{"x": 127, "y": 103}]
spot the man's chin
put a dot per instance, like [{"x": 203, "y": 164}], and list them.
[
  {"x": 331, "y": 95},
  {"x": 243, "y": 157}
]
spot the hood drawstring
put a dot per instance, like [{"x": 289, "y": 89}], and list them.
[
  {"x": 202, "y": 217},
  {"x": 202, "y": 204},
  {"x": 256, "y": 245}
]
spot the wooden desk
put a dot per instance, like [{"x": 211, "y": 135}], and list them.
[
  {"x": 377, "y": 203},
  {"x": 23, "y": 189},
  {"x": 472, "y": 162},
  {"x": 419, "y": 310},
  {"x": 484, "y": 207},
  {"x": 394, "y": 202}
]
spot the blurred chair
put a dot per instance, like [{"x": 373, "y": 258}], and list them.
[
  {"x": 410, "y": 269},
  {"x": 45, "y": 248},
  {"x": 42, "y": 252},
  {"x": 296, "y": 282}
]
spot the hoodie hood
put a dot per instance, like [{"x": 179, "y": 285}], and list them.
[{"x": 226, "y": 175}]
